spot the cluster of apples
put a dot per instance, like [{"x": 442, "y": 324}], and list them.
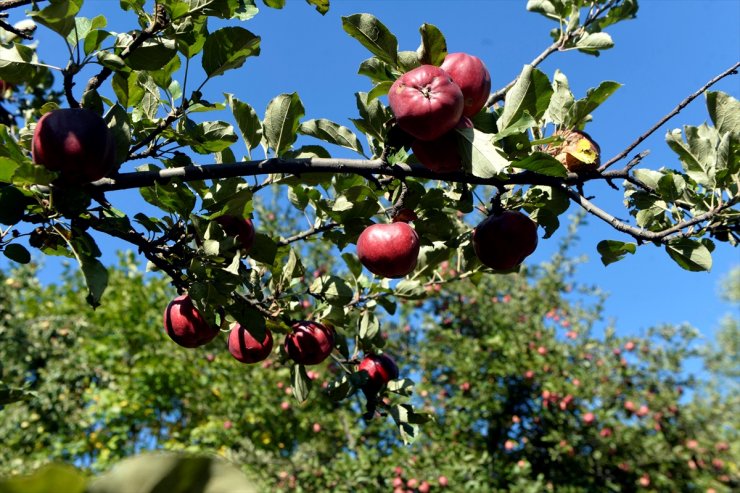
[{"x": 429, "y": 103}]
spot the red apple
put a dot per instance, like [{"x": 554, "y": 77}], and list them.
[
  {"x": 185, "y": 325},
  {"x": 240, "y": 227},
  {"x": 426, "y": 102},
  {"x": 473, "y": 78},
  {"x": 380, "y": 369},
  {"x": 502, "y": 242},
  {"x": 389, "y": 250},
  {"x": 246, "y": 348},
  {"x": 441, "y": 155},
  {"x": 75, "y": 142},
  {"x": 310, "y": 343}
]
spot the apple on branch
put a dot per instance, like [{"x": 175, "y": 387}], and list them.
[
  {"x": 309, "y": 343},
  {"x": 241, "y": 228},
  {"x": 185, "y": 324},
  {"x": 426, "y": 102},
  {"x": 473, "y": 79},
  {"x": 389, "y": 250},
  {"x": 77, "y": 143},
  {"x": 503, "y": 241},
  {"x": 244, "y": 347}
]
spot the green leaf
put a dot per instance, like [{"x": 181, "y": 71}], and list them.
[
  {"x": 693, "y": 154},
  {"x": 648, "y": 177},
  {"x": 152, "y": 54},
  {"x": 173, "y": 196},
  {"x": 12, "y": 204},
  {"x": 331, "y": 289},
  {"x": 377, "y": 70},
  {"x": 524, "y": 123},
  {"x": 96, "y": 278},
  {"x": 561, "y": 102},
  {"x": 228, "y": 48},
  {"x": 51, "y": 477},
  {"x": 264, "y": 249},
  {"x": 433, "y": 47},
  {"x": 690, "y": 255},
  {"x": 592, "y": 43},
  {"x": 612, "y": 251},
  {"x": 373, "y": 35},
  {"x": 594, "y": 97},
  {"x": 83, "y": 27},
  {"x": 368, "y": 326},
  {"x": 282, "y": 118},
  {"x": 542, "y": 163},
  {"x": 553, "y": 9},
  {"x": 247, "y": 120},
  {"x": 380, "y": 89},
  {"x": 373, "y": 115},
  {"x": 300, "y": 382},
  {"x": 322, "y": 6},
  {"x": 332, "y": 133},
  {"x": 17, "y": 253},
  {"x": 480, "y": 157},
  {"x": 17, "y": 63},
  {"x": 531, "y": 93},
  {"x": 59, "y": 15},
  {"x": 275, "y": 4},
  {"x": 169, "y": 472},
  {"x": 724, "y": 110},
  {"x": 117, "y": 120},
  {"x": 408, "y": 288}
]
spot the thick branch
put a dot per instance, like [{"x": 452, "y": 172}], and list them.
[
  {"x": 642, "y": 234},
  {"x": 363, "y": 167},
  {"x": 730, "y": 71}
]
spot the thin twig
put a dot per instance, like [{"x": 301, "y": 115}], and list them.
[
  {"x": 11, "y": 4},
  {"x": 730, "y": 71},
  {"x": 501, "y": 93},
  {"x": 307, "y": 234},
  {"x": 23, "y": 33}
]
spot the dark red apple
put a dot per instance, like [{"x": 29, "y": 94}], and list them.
[
  {"x": 502, "y": 242},
  {"x": 389, "y": 250},
  {"x": 426, "y": 102},
  {"x": 246, "y": 348},
  {"x": 240, "y": 227},
  {"x": 472, "y": 77},
  {"x": 185, "y": 324},
  {"x": 380, "y": 369},
  {"x": 75, "y": 142},
  {"x": 310, "y": 343},
  {"x": 441, "y": 155}
]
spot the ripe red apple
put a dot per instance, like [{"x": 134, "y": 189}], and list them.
[
  {"x": 502, "y": 242},
  {"x": 472, "y": 77},
  {"x": 240, "y": 227},
  {"x": 380, "y": 369},
  {"x": 389, "y": 250},
  {"x": 75, "y": 142},
  {"x": 185, "y": 324},
  {"x": 441, "y": 155},
  {"x": 426, "y": 102},
  {"x": 246, "y": 348},
  {"x": 310, "y": 343}
]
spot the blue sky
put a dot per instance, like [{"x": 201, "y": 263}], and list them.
[{"x": 668, "y": 52}]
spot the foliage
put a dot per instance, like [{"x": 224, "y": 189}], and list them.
[{"x": 508, "y": 369}]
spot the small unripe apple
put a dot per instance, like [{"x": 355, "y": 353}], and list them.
[
  {"x": 380, "y": 369},
  {"x": 309, "y": 343},
  {"x": 502, "y": 242},
  {"x": 441, "y": 155},
  {"x": 578, "y": 152},
  {"x": 240, "y": 227},
  {"x": 77, "y": 143},
  {"x": 473, "y": 78},
  {"x": 426, "y": 102},
  {"x": 246, "y": 348},
  {"x": 389, "y": 250},
  {"x": 185, "y": 324}
]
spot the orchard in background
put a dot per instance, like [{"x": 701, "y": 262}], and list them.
[{"x": 448, "y": 173}]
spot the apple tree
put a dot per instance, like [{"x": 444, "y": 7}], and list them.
[{"x": 444, "y": 149}]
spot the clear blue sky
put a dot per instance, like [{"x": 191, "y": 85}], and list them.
[{"x": 668, "y": 52}]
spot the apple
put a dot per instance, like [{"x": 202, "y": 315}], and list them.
[
  {"x": 240, "y": 227},
  {"x": 426, "y": 102},
  {"x": 472, "y": 77},
  {"x": 77, "y": 143},
  {"x": 380, "y": 369},
  {"x": 441, "y": 155},
  {"x": 309, "y": 343},
  {"x": 389, "y": 250},
  {"x": 185, "y": 324},
  {"x": 246, "y": 348},
  {"x": 503, "y": 241},
  {"x": 578, "y": 152}
]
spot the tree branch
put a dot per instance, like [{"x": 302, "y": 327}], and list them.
[
  {"x": 306, "y": 234},
  {"x": 501, "y": 93},
  {"x": 730, "y": 71},
  {"x": 11, "y": 4},
  {"x": 642, "y": 234}
]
